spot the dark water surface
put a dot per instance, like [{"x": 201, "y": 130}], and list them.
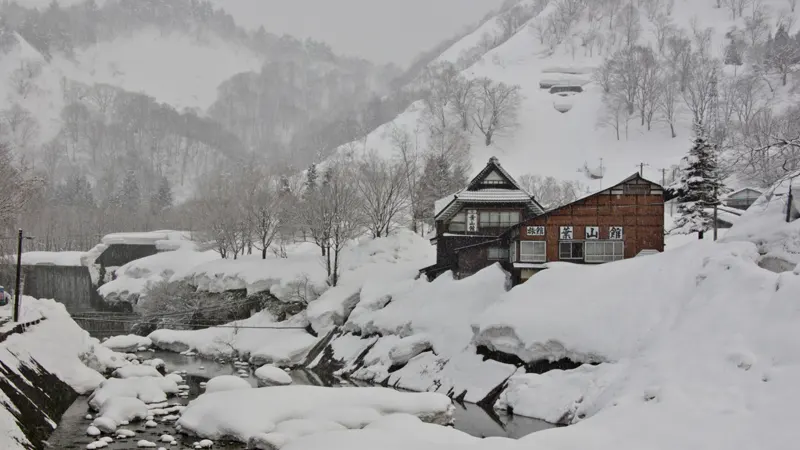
[{"x": 71, "y": 431}]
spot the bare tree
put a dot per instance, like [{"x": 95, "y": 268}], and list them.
[
  {"x": 440, "y": 84},
  {"x": 701, "y": 88},
  {"x": 649, "y": 89},
  {"x": 263, "y": 208},
  {"x": 756, "y": 26},
  {"x": 668, "y": 101},
  {"x": 17, "y": 187},
  {"x": 615, "y": 114},
  {"x": 382, "y": 187},
  {"x": 496, "y": 108},
  {"x": 663, "y": 28},
  {"x": 550, "y": 192},
  {"x": 629, "y": 24},
  {"x": 784, "y": 55},
  {"x": 344, "y": 219},
  {"x": 408, "y": 154},
  {"x": 792, "y": 4},
  {"x": 679, "y": 53},
  {"x": 463, "y": 100},
  {"x": 23, "y": 79},
  {"x": 102, "y": 96}
]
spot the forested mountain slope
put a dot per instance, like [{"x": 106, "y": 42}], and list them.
[{"x": 119, "y": 106}]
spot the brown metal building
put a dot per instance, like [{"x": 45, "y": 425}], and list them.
[{"x": 622, "y": 221}]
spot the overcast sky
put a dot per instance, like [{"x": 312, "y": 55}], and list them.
[{"x": 379, "y": 30}]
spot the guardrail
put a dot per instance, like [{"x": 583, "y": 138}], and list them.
[{"x": 19, "y": 328}]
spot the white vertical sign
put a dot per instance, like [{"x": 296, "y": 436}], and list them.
[
  {"x": 565, "y": 234},
  {"x": 472, "y": 221},
  {"x": 616, "y": 233},
  {"x": 592, "y": 233}
]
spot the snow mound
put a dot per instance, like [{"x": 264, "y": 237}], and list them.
[
  {"x": 127, "y": 343},
  {"x": 133, "y": 279},
  {"x": 279, "y": 414},
  {"x": 261, "y": 337},
  {"x": 226, "y": 383},
  {"x": 369, "y": 266},
  {"x": 269, "y": 375},
  {"x": 146, "y": 389},
  {"x": 117, "y": 410}
]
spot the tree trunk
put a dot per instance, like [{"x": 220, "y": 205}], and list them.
[
  {"x": 672, "y": 130},
  {"x": 699, "y": 235},
  {"x": 264, "y": 252}
]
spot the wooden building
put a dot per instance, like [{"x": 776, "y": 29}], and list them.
[
  {"x": 616, "y": 223},
  {"x": 742, "y": 198},
  {"x": 487, "y": 207},
  {"x": 619, "y": 222}
]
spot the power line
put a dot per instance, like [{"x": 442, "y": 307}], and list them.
[{"x": 200, "y": 324}]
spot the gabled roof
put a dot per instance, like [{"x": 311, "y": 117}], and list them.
[
  {"x": 739, "y": 191},
  {"x": 473, "y": 193},
  {"x": 492, "y": 165}
]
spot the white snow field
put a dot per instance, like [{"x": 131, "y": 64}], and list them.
[{"x": 277, "y": 415}]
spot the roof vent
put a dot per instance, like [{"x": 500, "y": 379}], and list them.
[{"x": 493, "y": 159}]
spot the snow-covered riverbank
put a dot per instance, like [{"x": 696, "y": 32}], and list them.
[{"x": 701, "y": 333}]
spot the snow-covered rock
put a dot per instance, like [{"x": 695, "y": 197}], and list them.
[
  {"x": 226, "y": 383},
  {"x": 116, "y": 410},
  {"x": 269, "y": 375},
  {"x": 128, "y": 343},
  {"x": 261, "y": 414},
  {"x": 137, "y": 371}
]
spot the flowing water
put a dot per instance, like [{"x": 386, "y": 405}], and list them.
[{"x": 71, "y": 431}]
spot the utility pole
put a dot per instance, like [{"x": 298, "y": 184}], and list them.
[
  {"x": 789, "y": 202},
  {"x": 716, "y": 204},
  {"x": 641, "y": 168},
  {"x": 19, "y": 276},
  {"x": 663, "y": 177}
]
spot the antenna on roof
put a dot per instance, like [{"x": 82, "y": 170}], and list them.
[{"x": 493, "y": 159}]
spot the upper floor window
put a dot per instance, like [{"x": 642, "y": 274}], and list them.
[
  {"x": 498, "y": 219},
  {"x": 458, "y": 224}
]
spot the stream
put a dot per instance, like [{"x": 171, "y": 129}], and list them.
[{"x": 71, "y": 431}]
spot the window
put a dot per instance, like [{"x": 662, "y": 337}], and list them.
[
  {"x": 513, "y": 251},
  {"x": 497, "y": 253},
  {"x": 498, "y": 219},
  {"x": 458, "y": 224},
  {"x": 570, "y": 250},
  {"x": 604, "y": 251},
  {"x": 532, "y": 251}
]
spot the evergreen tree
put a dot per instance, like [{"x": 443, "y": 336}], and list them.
[
  {"x": 130, "y": 196},
  {"x": 438, "y": 180},
  {"x": 699, "y": 187},
  {"x": 162, "y": 198},
  {"x": 733, "y": 53},
  {"x": 311, "y": 179}
]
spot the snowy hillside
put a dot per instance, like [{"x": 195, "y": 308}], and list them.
[
  {"x": 557, "y": 136},
  {"x": 146, "y": 62}
]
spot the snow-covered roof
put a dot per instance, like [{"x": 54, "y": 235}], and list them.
[
  {"x": 493, "y": 195},
  {"x": 449, "y": 205},
  {"x": 145, "y": 238},
  {"x": 50, "y": 258},
  {"x": 744, "y": 189}
]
